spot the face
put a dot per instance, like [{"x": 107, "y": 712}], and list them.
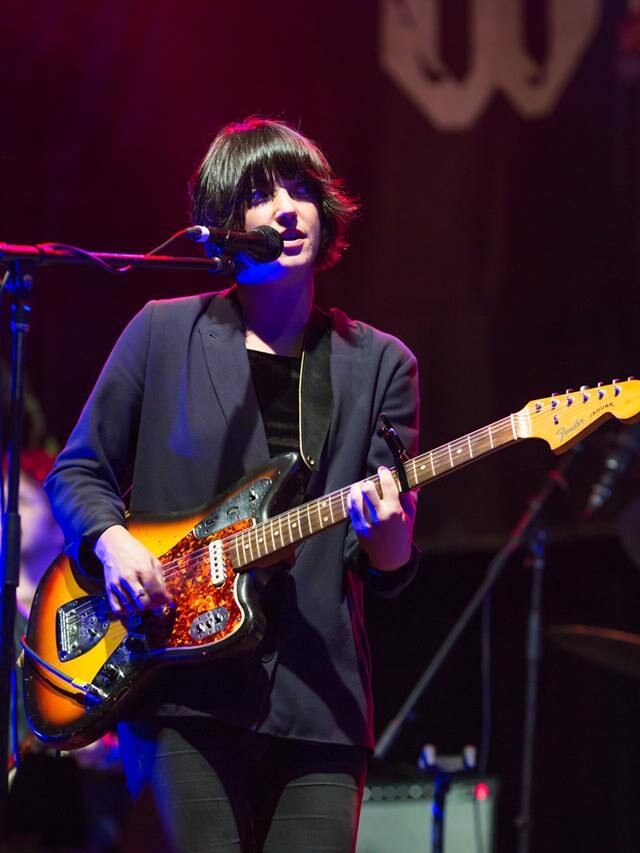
[{"x": 291, "y": 208}]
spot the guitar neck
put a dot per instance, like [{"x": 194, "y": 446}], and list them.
[{"x": 289, "y": 528}]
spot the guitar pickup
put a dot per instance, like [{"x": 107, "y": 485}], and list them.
[
  {"x": 208, "y": 623},
  {"x": 217, "y": 562}
]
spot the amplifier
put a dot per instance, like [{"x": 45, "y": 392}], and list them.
[{"x": 396, "y": 816}]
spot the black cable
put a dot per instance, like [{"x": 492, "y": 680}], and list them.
[
  {"x": 85, "y": 253},
  {"x": 82, "y": 253}
]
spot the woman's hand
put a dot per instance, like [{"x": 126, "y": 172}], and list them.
[
  {"x": 384, "y": 525},
  {"x": 132, "y": 575}
]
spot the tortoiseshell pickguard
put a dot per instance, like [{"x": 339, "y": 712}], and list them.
[{"x": 189, "y": 583}]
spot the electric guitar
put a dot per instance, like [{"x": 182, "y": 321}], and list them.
[{"x": 82, "y": 664}]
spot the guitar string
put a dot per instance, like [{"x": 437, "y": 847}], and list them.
[
  {"x": 336, "y": 499},
  {"x": 185, "y": 565}
]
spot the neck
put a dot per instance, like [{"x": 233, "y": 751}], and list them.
[{"x": 276, "y": 314}]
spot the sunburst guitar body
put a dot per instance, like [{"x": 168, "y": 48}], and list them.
[
  {"x": 82, "y": 664},
  {"x": 97, "y": 662}
]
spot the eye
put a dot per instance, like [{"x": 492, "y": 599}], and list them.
[
  {"x": 302, "y": 189},
  {"x": 258, "y": 196}
]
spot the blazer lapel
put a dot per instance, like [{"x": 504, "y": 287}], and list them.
[{"x": 222, "y": 336}]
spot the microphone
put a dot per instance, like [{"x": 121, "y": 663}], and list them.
[
  {"x": 624, "y": 448},
  {"x": 263, "y": 245}
]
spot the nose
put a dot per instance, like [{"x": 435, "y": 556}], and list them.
[{"x": 284, "y": 207}]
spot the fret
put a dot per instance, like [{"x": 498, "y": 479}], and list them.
[
  {"x": 273, "y": 541},
  {"x": 247, "y": 546},
  {"x": 288, "y": 517},
  {"x": 459, "y": 450},
  {"x": 296, "y": 524},
  {"x": 513, "y": 426},
  {"x": 232, "y": 542},
  {"x": 481, "y": 442},
  {"x": 470, "y": 447},
  {"x": 433, "y": 467},
  {"x": 414, "y": 474},
  {"x": 279, "y": 532},
  {"x": 420, "y": 469},
  {"x": 450, "y": 454},
  {"x": 317, "y": 525},
  {"x": 490, "y": 437},
  {"x": 336, "y": 510},
  {"x": 259, "y": 540},
  {"x": 331, "y": 509}
]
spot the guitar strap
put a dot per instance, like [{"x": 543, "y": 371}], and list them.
[{"x": 316, "y": 396}]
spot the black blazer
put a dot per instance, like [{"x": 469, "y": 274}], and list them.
[{"x": 174, "y": 415}]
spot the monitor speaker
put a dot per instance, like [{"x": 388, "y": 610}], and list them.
[{"x": 396, "y": 816}]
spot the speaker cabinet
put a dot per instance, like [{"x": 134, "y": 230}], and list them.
[{"x": 396, "y": 817}]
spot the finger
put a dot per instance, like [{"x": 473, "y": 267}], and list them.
[
  {"x": 122, "y": 601},
  {"x": 355, "y": 495},
  {"x": 134, "y": 595},
  {"x": 370, "y": 493},
  {"x": 388, "y": 485},
  {"x": 155, "y": 585},
  {"x": 114, "y": 602},
  {"x": 370, "y": 511},
  {"x": 355, "y": 513}
]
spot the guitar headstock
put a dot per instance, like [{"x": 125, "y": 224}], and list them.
[{"x": 564, "y": 419}]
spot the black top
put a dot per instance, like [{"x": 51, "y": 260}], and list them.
[{"x": 276, "y": 379}]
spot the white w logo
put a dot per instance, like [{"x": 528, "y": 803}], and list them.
[{"x": 498, "y": 60}]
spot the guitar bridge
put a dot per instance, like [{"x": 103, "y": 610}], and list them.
[{"x": 80, "y": 624}]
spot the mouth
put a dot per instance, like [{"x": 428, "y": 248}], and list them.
[{"x": 292, "y": 235}]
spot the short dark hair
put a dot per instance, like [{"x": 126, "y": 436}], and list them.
[{"x": 258, "y": 151}]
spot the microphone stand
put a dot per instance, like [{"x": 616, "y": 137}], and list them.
[
  {"x": 19, "y": 283},
  {"x": 525, "y": 531},
  {"x": 536, "y": 563}
]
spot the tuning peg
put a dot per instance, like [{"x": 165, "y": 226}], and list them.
[
  {"x": 569, "y": 399},
  {"x": 584, "y": 387},
  {"x": 569, "y": 390},
  {"x": 630, "y": 378}
]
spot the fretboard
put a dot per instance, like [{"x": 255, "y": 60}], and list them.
[{"x": 289, "y": 528}]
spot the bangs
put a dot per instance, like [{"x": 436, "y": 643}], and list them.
[
  {"x": 263, "y": 155},
  {"x": 282, "y": 159}
]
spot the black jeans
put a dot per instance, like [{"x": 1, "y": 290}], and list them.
[{"x": 203, "y": 786}]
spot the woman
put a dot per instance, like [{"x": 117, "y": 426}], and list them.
[{"x": 266, "y": 751}]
